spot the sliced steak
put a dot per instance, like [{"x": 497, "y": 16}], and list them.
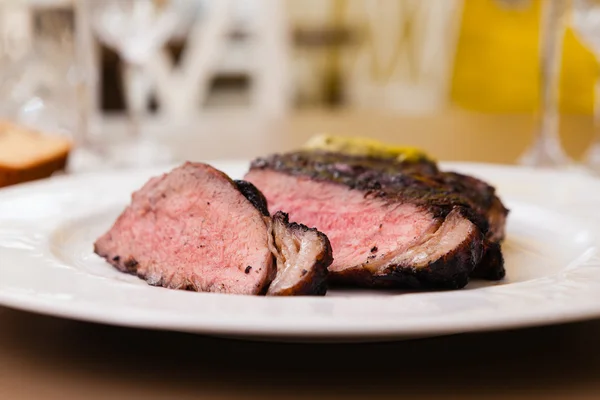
[
  {"x": 424, "y": 175},
  {"x": 443, "y": 259},
  {"x": 386, "y": 228},
  {"x": 196, "y": 229},
  {"x": 303, "y": 256}
]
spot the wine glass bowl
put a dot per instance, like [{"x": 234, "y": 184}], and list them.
[
  {"x": 136, "y": 30},
  {"x": 586, "y": 22},
  {"x": 39, "y": 86}
]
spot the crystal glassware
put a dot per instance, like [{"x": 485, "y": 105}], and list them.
[
  {"x": 546, "y": 149},
  {"x": 136, "y": 29},
  {"x": 40, "y": 84}
]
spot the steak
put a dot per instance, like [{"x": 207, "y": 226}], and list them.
[
  {"x": 196, "y": 229},
  {"x": 390, "y": 223}
]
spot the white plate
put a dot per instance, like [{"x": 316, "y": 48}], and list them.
[{"x": 47, "y": 266}]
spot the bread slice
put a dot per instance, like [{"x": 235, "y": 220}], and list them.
[{"x": 27, "y": 154}]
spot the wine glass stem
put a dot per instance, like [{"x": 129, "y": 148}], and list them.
[
  {"x": 592, "y": 158},
  {"x": 596, "y": 137},
  {"x": 136, "y": 96},
  {"x": 551, "y": 46},
  {"x": 546, "y": 149}
]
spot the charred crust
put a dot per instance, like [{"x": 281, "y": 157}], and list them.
[
  {"x": 253, "y": 195},
  {"x": 377, "y": 177},
  {"x": 478, "y": 219},
  {"x": 374, "y": 249},
  {"x": 130, "y": 265},
  {"x": 491, "y": 266},
  {"x": 248, "y": 269},
  {"x": 353, "y": 164},
  {"x": 294, "y": 226},
  {"x": 497, "y": 214}
]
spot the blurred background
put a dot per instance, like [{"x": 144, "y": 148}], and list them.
[{"x": 66, "y": 65}]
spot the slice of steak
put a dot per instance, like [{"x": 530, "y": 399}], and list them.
[
  {"x": 196, "y": 229},
  {"x": 443, "y": 259},
  {"x": 386, "y": 228},
  {"x": 303, "y": 255},
  {"x": 192, "y": 229}
]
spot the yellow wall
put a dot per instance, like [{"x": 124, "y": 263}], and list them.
[{"x": 496, "y": 66}]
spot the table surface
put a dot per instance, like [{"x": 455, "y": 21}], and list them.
[{"x": 50, "y": 358}]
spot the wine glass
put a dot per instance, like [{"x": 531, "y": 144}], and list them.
[
  {"x": 546, "y": 150},
  {"x": 38, "y": 85},
  {"x": 586, "y": 23},
  {"x": 136, "y": 29}
]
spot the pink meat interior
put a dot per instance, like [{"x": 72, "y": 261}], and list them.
[
  {"x": 357, "y": 227},
  {"x": 193, "y": 228}
]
